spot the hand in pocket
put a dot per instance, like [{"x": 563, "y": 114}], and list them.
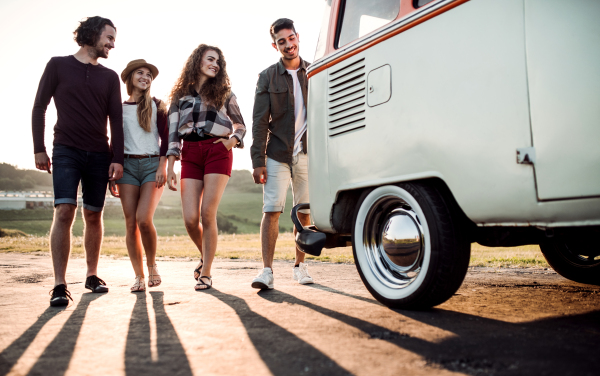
[{"x": 229, "y": 143}]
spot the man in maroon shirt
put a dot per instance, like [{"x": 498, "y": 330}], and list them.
[{"x": 85, "y": 94}]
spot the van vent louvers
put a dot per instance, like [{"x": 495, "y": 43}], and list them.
[{"x": 347, "y": 97}]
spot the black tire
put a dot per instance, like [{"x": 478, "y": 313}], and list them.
[
  {"x": 416, "y": 279},
  {"x": 574, "y": 256}
]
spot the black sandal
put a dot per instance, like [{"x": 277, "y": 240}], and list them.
[
  {"x": 198, "y": 270},
  {"x": 201, "y": 283}
]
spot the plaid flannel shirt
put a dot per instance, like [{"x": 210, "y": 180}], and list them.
[{"x": 226, "y": 122}]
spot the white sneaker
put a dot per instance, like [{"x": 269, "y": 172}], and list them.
[
  {"x": 301, "y": 274},
  {"x": 264, "y": 280}
]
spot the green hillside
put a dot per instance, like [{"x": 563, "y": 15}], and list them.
[
  {"x": 240, "y": 212},
  {"x": 14, "y": 179}
]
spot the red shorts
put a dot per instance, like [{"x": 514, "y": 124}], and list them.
[{"x": 205, "y": 157}]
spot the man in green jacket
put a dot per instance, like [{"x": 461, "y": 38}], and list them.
[{"x": 279, "y": 144}]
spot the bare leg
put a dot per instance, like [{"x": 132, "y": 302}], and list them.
[
  {"x": 214, "y": 186},
  {"x": 92, "y": 239},
  {"x": 149, "y": 198},
  {"x": 191, "y": 196},
  {"x": 130, "y": 195},
  {"x": 269, "y": 231},
  {"x": 305, "y": 220},
  {"x": 60, "y": 240}
]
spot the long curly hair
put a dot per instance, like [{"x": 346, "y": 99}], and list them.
[
  {"x": 144, "y": 106},
  {"x": 89, "y": 31},
  {"x": 215, "y": 90}
]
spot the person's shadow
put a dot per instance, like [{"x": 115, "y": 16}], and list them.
[
  {"x": 57, "y": 355},
  {"x": 171, "y": 357},
  {"x": 282, "y": 351},
  {"x": 11, "y": 355},
  {"x": 560, "y": 345},
  {"x": 330, "y": 289}
]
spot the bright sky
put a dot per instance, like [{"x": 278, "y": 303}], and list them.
[{"x": 163, "y": 33}]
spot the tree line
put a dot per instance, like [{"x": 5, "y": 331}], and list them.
[{"x": 14, "y": 179}]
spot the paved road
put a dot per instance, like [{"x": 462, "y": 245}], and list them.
[{"x": 500, "y": 323}]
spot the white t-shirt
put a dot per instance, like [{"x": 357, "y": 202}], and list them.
[{"x": 299, "y": 112}]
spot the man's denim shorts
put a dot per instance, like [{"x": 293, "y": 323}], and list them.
[
  {"x": 70, "y": 166},
  {"x": 139, "y": 171},
  {"x": 279, "y": 176}
]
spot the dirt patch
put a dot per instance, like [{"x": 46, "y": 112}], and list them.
[{"x": 31, "y": 278}]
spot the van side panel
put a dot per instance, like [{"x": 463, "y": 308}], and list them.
[
  {"x": 563, "y": 59},
  {"x": 458, "y": 109}
]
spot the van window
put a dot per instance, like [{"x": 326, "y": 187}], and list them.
[
  {"x": 420, "y": 3},
  {"x": 359, "y": 17},
  {"x": 322, "y": 41}
]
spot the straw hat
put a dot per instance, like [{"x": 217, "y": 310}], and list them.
[{"x": 135, "y": 64}]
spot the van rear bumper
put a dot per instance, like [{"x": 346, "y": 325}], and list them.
[{"x": 312, "y": 241}]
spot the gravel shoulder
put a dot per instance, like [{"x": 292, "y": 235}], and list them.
[{"x": 500, "y": 322}]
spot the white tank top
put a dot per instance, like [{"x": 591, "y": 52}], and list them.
[{"x": 137, "y": 140}]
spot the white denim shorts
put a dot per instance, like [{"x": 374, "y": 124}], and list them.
[{"x": 278, "y": 181}]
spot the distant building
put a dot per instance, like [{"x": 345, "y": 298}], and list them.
[{"x": 17, "y": 200}]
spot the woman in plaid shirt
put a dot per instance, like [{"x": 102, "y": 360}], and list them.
[{"x": 204, "y": 114}]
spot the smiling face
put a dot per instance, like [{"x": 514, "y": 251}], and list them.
[
  {"x": 209, "y": 65},
  {"x": 287, "y": 42},
  {"x": 106, "y": 42},
  {"x": 141, "y": 78}
]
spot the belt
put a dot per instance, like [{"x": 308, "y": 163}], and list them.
[{"x": 140, "y": 156}]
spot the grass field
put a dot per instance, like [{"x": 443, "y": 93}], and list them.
[
  {"x": 247, "y": 246},
  {"x": 242, "y": 209}
]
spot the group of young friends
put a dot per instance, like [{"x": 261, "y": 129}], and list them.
[{"x": 201, "y": 126}]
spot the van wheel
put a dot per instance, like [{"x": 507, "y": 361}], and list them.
[
  {"x": 409, "y": 247},
  {"x": 574, "y": 257}
]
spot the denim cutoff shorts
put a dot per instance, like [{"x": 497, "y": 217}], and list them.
[
  {"x": 139, "y": 171},
  {"x": 279, "y": 176},
  {"x": 70, "y": 166}
]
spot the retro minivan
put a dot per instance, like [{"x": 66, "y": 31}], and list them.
[{"x": 433, "y": 124}]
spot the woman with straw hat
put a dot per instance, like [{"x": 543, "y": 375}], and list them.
[{"x": 144, "y": 171}]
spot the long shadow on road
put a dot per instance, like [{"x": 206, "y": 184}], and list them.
[
  {"x": 171, "y": 356},
  {"x": 330, "y": 289},
  {"x": 562, "y": 346},
  {"x": 282, "y": 351},
  {"x": 56, "y": 357},
  {"x": 11, "y": 355}
]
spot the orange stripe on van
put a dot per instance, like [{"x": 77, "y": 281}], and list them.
[{"x": 414, "y": 23}]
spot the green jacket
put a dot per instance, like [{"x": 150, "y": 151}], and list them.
[{"x": 273, "y": 121}]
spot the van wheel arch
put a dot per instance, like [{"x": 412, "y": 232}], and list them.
[{"x": 342, "y": 213}]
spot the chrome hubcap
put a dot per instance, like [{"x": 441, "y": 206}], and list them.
[{"x": 394, "y": 242}]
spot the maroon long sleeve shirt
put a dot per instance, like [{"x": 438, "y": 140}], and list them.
[{"x": 84, "y": 95}]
